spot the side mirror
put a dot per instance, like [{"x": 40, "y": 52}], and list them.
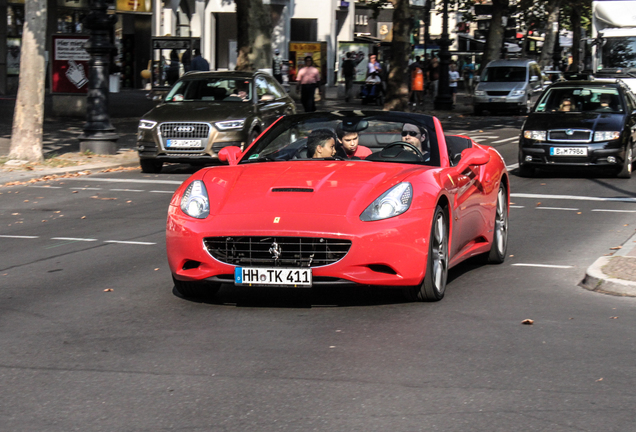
[
  {"x": 230, "y": 154},
  {"x": 473, "y": 156},
  {"x": 267, "y": 98}
]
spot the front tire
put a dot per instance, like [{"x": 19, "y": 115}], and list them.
[
  {"x": 196, "y": 290},
  {"x": 499, "y": 246},
  {"x": 433, "y": 286},
  {"x": 150, "y": 166},
  {"x": 626, "y": 170}
]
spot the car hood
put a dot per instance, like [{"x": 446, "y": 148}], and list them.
[
  {"x": 200, "y": 111},
  {"x": 337, "y": 188},
  {"x": 590, "y": 120}
]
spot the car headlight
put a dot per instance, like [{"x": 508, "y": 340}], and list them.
[
  {"x": 147, "y": 124},
  {"x": 391, "y": 203},
  {"x": 606, "y": 135},
  {"x": 535, "y": 135},
  {"x": 230, "y": 124},
  {"x": 480, "y": 93},
  {"x": 195, "y": 202},
  {"x": 517, "y": 93}
]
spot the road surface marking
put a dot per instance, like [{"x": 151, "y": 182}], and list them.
[
  {"x": 614, "y": 211},
  {"x": 158, "y": 191},
  {"x": 557, "y": 208},
  {"x": 19, "y": 236},
  {"x": 86, "y": 188},
  {"x": 130, "y": 242},
  {"x": 543, "y": 265},
  {"x": 504, "y": 140},
  {"x": 516, "y": 206},
  {"x": 115, "y": 180},
  {"x": 572, "y": 197},
  {"x": 127, "y": 190},
  {"x": 47, "y": 187},
  {"x": 73, "y": 239},
  {"x": 512, "y": 166}
]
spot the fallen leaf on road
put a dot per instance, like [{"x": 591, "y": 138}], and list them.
[
  {"x": 616, "y": 248},
  {"x": 527, "y": 322},
  {"x": 104, "y": 198},
  {"x": 74, "y": 192},
  {"x": 538, "y": 203},
  {"x": 108, "y": 290},
  {"x": 613, "y": 317},
  {"x": 600, "y": 379},
  {"x": 83, "y": 217},
  {"x": 156, "y": 269}
]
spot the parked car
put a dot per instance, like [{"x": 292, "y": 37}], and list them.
[
  {"x": 581, "y": 124},
  {"x": 508, "y": 85},
  {"x": 289, "y": 211},
  {"x": 206, "y": 111}
]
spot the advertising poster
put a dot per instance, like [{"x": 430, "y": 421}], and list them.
[
  {"x": 359, "y": 55},
  {"x": 69, "y": 68},
  {"x": 299, "y": 50}
]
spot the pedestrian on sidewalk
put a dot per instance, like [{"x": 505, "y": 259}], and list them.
[
  {"x": 198, "y": 63},
  {"x": 453, "y": 79},
  {"x": 417, "y": 82},
  {"x": 308, "y": 78},
  {"x": 433, "y": 75},
  {"x": 349, "y": 73},
  {"x": 468, "y": 72}
]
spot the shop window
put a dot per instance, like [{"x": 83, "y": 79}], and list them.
[{"x": 305, "y": 30}]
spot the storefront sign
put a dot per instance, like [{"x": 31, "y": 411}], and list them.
[
  {"x": 70, "y": 64},
  {"x": 134, "y": 5}
]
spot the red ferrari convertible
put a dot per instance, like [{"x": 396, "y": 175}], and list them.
[{"x": 340, "y": 198}]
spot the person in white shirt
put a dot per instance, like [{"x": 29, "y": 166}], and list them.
[{"x": 453, "y": 79}]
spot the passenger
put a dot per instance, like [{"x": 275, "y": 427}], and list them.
[
  {"x": 349, "y": 147},
  {"x": 321, "y": 143},
  {"x": 414, "y": 135},
  {"x": 566, "y": 104}
]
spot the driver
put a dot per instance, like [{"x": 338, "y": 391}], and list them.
[
  {"x": 415, "y": 136},
  {"x": 241, "y": 90}
]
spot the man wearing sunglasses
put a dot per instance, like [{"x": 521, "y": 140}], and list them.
[{"x": 415, "y": 136}]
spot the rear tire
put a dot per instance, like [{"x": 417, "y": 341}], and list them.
[
  {"x": 626, "y": 170},
  {"x": 196, "y": 289},
  {"x": 497, "y": 254},
  {"x": 150, "y": 166},
  {"x": 433, "y": 286}
]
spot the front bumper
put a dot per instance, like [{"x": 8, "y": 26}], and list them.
[
  {"x": 597, "y": 153},
  {"x": 500, "y": 102},
  {"x": 392, "y": 252}
]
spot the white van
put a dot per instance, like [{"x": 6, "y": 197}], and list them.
[{"x": 510, "y": 85}]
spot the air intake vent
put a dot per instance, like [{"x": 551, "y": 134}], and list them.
[{"x": 292, "y": 190}]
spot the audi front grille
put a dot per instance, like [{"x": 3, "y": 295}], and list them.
[
  {"x": 291, "y": 251},
  {"x": 185, "y": 130}
]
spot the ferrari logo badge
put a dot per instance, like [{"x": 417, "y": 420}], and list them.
[
  {"x": 275, "y": 250},
  {"x": 276, "y": 219}
]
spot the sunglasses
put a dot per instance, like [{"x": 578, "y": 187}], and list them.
[{"x": 412, "y": 133}]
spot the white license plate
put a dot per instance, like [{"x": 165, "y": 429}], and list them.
[
  {"x": 272, "y": 276},
  {"x": 183, "y": 143},
  {"x": 568, "y": 151}
]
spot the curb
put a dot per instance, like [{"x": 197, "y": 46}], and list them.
[{"x": 596, "y": 280}]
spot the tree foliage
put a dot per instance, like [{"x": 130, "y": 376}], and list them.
[{"x": 254, "y": 38}]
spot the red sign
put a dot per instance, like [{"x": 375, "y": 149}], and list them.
[{"x": 70, "y": 64}]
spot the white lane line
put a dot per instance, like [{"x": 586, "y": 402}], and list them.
[
  {"x": 127, "y": 190},
  {"x": 557, "y": 208},
  {"x": 516, "y": 206},
  {"x": 572, "y": 197},
  {"x": 19, "y": 236},
  {"x": 158, "y": 191},
  {"x": 512, "y": 166},
  {"x": 86, "y": 188},
  {"x": 543, "y": 265},
  {"x": 504, "y": 140},
  {"x": 73, "y": 239},
  {"x": 47, "y": 187},
  {"x": 614, "y": 211},
  {"x": 114, "y": 180},
  {"x": 130, "y": 242}
]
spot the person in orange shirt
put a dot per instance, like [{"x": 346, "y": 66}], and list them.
[{"x": 417, "y": 82}]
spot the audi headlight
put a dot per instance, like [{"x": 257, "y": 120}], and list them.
[
  {"x": 606, "y": 135},
  {"x": 391, "y": 203},
  {"x": 147, "y": 124},
  {"x": 195, "y": 202},
  {"x": 230, "y": 124},
  {"x": 535, "y": 135},
  {"x": 480, "y": 93},
  {"x": 517, "y": 93}
]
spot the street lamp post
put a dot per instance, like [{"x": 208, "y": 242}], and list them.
[
  {"x": 444, "y": 100},
  {"x": 99, "y": 134}
]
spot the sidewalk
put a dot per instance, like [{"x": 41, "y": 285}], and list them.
[{"x": 614, "y": 274}]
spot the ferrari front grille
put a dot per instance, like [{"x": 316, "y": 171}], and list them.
[
  {"x": 185, "y": 130},
  {"x": 571, "y": 135},
  {"x": 277, "y": 251}
]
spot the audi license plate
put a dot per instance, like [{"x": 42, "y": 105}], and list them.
[
  {"x": 259, "y": 276},
  {"x": 183, "y": 143},
  {"x": 568, "y": 151}
]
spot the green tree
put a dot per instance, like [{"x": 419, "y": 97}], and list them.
[
  {"x": 26, "y": 135},
  {"x": 254, "y": 38}
]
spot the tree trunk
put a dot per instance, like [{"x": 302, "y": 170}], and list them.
[
  {"x": 575, "y": 21},
  {"x": 494, "y": 41},
  {"x": 552, "y": 8},
  {"x": 254, "y": 38},
  {"x": 26, "y": 136},
  {"x": 397, "y": 98}
]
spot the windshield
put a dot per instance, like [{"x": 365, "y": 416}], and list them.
[
  {"x": 581, "y": 99},
  {"x": 337, "y": 137},
  {"x": 504, "y": 74},
  {"x": 619, "y": 52},
  {"x": 211, "y": 89}
]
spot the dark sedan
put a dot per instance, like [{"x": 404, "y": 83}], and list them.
[
  {"x": 206, "y": 111},
  {"x": 581, "y": 124}
]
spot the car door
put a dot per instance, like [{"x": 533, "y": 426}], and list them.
[{"x": 270, "y": 106}]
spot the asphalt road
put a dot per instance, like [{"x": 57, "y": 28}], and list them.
[{"x": 93, "y": 337}]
